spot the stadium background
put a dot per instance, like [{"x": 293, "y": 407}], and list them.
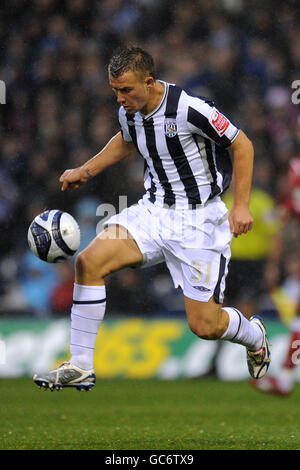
[{"x": 60, "y": 111}]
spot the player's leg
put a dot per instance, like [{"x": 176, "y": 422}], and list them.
[
  {"x": 110, "y": 251},
  {"x": 204, "y": 281},
  {"x": 210, "y": 320},
  {"x": 127, "y": 241},
  {"x": 206, "y": 319}
]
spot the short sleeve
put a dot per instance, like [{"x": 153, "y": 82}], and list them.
[{"x": 205, "y": 119}]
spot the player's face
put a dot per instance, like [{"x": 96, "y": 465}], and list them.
[{"x": 132, "y": 91}]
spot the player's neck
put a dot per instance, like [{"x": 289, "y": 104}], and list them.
[{"x": 155, "y": 98}]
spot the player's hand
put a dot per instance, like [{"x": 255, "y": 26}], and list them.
[
  {"x": 73, "y": 178},
  {"x": 240, "y": 220}
]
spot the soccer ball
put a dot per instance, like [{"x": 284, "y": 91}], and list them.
[{"x": 53, "y": 236}]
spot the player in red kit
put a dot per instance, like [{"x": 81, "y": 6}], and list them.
[{"x": 283, "y": 383}]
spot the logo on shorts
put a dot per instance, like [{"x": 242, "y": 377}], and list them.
[
  {"x": 170, "y": 127},
  {"x": 201, "y": 288}
]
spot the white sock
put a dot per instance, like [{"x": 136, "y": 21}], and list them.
[
  {"x": 241, "y": 330},
  {"x": 86, "y": 316}
]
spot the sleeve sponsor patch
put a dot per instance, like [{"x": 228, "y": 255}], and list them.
[{"x": 218, "y": 121}]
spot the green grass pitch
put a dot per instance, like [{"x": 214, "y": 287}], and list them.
[{"x": 198, "y": 414}]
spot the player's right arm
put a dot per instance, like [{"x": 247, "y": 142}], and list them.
[{"x": 114, "y": 151}]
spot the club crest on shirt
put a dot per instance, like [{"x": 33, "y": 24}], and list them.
[{"x": 170, "y": 127}]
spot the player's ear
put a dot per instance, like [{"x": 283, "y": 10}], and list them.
[{"x": 149, "y": 81}]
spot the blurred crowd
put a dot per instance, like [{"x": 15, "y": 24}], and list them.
[{"x": 60, "y": 111}]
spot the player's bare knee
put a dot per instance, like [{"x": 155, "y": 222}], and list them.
[
  {"x": 204, "y": 328},
  {"x": 87, "y": 265},
  {"x": 81, "y": 263},
  {"x": 205, "y": 319}
]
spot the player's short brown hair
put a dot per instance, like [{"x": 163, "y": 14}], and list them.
[{"x": 133, "y": 59}]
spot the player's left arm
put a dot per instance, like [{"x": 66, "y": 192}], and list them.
[{"x": 240, "y": 218}]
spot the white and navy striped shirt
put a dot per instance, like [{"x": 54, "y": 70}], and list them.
[{"x": 184, "y": 143}]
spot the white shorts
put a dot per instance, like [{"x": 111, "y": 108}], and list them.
[{"x": 194, "y": 244}]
